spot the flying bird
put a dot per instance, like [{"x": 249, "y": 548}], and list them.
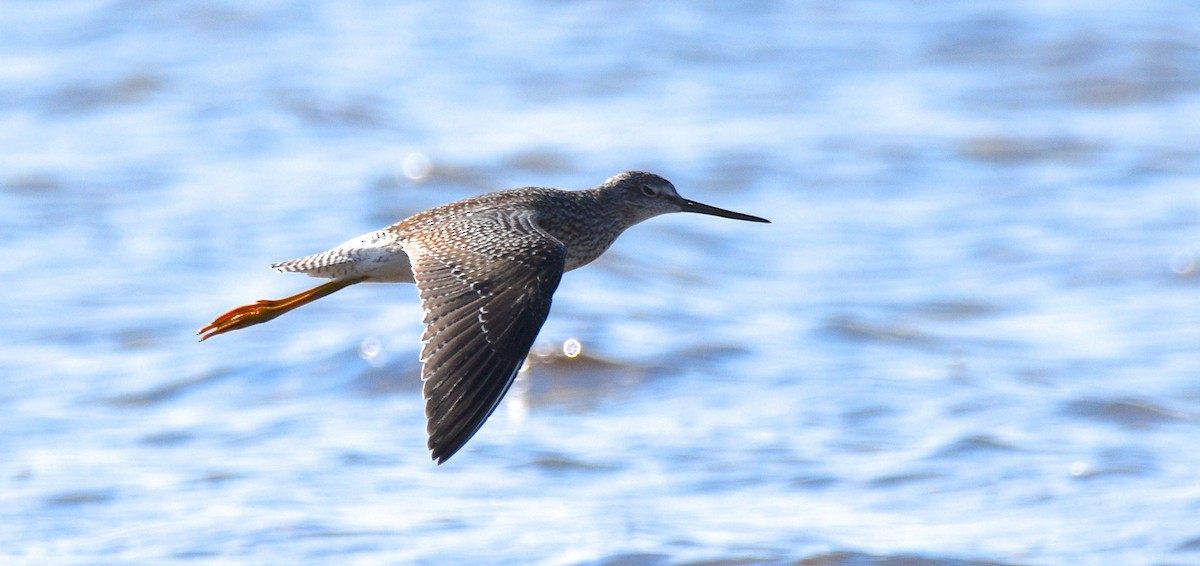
[{"x": 486, "y": 269}]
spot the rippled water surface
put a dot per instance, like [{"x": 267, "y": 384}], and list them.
[{"x": 969, "y": 336}]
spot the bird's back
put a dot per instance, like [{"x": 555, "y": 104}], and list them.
[{"x": 577, "y": 219}]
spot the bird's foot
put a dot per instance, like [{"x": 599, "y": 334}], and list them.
[
  {"x": 262, "y": 311},
  {"x": 243, "y": 316}
]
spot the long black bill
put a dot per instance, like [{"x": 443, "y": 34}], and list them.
[{"x": 701, "y": 208}]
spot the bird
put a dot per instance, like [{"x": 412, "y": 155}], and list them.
[{"x": 486, "y": 269}]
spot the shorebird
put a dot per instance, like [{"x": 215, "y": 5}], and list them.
[{"x": 486, "y": 268}]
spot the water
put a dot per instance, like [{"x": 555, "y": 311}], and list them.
[{"x": 969, "y": 336}]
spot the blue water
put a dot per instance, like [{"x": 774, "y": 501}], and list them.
[{"x": 971, "y": 334}]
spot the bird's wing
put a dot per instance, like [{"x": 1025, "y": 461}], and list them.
[{"x": 485, "y": 281}]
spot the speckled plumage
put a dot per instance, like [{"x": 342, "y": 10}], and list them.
[{"x": 486, "y": 269}]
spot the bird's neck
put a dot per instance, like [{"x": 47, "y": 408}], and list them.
[{"x": 587, "y": 227}]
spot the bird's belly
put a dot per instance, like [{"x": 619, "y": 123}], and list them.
[{"x": 392, "y": 266}]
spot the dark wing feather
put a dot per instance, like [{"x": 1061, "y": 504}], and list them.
[{"x": 486, "y": 281}]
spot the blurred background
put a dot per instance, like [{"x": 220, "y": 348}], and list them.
[{"x": 968, "y": 337}]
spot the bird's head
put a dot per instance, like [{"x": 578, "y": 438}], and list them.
[{"x": 646, "y": 195}]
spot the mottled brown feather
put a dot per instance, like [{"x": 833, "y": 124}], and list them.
[{"x": 486, "y": 283}]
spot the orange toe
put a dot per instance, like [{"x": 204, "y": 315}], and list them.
[{"x": 241, "y": 317}]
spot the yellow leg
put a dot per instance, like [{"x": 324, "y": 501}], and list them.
[{"x": 262, "y": 311}]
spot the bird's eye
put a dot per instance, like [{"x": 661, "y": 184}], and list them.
[{"x": 649, "y": 191}]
